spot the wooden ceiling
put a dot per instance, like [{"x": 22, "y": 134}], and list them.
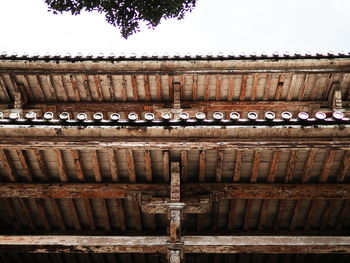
[{"x": 179, "y": 191}]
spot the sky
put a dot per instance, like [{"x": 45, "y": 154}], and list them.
[{"x": 228, "y": 26}]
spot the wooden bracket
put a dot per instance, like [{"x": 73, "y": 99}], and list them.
[
  {"x": 175, "y": 255},
  {"x": 177, "y": 100},
  {"x": 20, "y": 100},
  {"x": 335, "y": 97}
]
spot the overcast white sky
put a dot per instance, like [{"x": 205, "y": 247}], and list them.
[{"x": 214, "y": 26}]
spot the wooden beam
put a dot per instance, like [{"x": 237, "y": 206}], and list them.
[
  {"x": 273, "y": 166},
  {"x": 184, "y": 166},
  {"x": 191, "y": 244},
  {"x": 120, "y": 214},
  {"x": 202, "y": 166},
  {"x": 345, "y": 164},
  {"x": 265, "y": 244},
  {"x": 243, "y": 87},
  {"x": 137, "y": 212},
  {"x": 5, "y": 158},
  {"x": 40, "y": 158},
  {"x": 148, "y": 166},
  {"x": 218, "y": 87},
  {"x": 96, "y": 166},
  {"x": 61, "y": 166},
  {"x": 159, "y": 88},
  {"x": 131, "y": 166},
  {"x": 146, "y": 86},
  {"x": 238, "y": 165},
  {"x": 57, "y": 213},
  {"x": 327, "y": 166},
  {"x": 23, "y": 158},
  {"x": 114, "y": 165},
  {"x": 308, "y": 166},
  {"x": 87, "y": 87},
  {"x": 134, "y": 87},
  {"x": 219, "y": 165},
  {"x": 89, "y": 213},
  {"x": 290, "y": 166},
  {"x": 228, "y": 190},
  {"x": 175, "y": 182},
  {"x": 166, "y": 166},
  {"x": 78, "y": 167},
  {"x": 74, "y": 214},
  {"x": 231, "y": 86},
  {"x": 255, "y": 168}
]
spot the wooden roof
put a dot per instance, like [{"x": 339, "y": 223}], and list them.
[{"x": 156, "y": 189}]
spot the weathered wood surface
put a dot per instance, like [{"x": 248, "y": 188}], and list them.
[
  {"x": 84, "y": 244},
  {"x": 229, "y": 190},
  {"x": 174, "y": 143},
  {"x": 265, "y": 244},
  {"x": 191, "y": 244}
]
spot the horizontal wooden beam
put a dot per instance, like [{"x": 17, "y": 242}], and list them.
[
  {"x": 265, "y": 244},
  {"x": 190, "y": 244},
  {"x": 84, "y": 244},
  {"x": 163, "y": 143},
  {"x": 225, "y": 190},
  {"x": 206, "y": 106}
]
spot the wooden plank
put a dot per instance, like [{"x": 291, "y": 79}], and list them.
[
  {"x": 62, "y": 169},
  {"x": 202, "y": 166},
  {"x": 114, "y": 165},
  {"x": 75, "y": 88},
  {"x": 231, "y": 87},
  {"x": 43, "y": 213},
  {"x": 73, "y": 214},
  {"x": 41, "y": 87},
  {"x": 120, "y": 214},
  {"x": 5, "y": 158},
  {"x": 207, "y": 87},
  {"x": 238, "y": 165},
  {"x": 77, "y": 164},
  {"x": 27, "y": 213},
  {"x": 303, "y": 87},
  {"x": 146, "y": 86},
  {"x": 327, "y": 215},
  {"x": 342, "y": 216},
  {"x": 111, "y": 87},
  {"x": 290, "y": 166},
  {"x": 96, "y": 166},
  {"x": 52, "y": 88},
  {"x": 184, "y": 166},
  {"x": 255, "y": 86},
  {"x": 171, "y": 88},
  {"x": 28, "y": 88},
  {"x": 159, "y": 88},
  {"x": 218, "y": 87},
  {"x": 5, "y": 88},
  {"x": 40, "y": 158},
  {"x": 134, "y": 87},
  {"x": 219, "y": 165},
  {"x": 327, "y": 166},
  {"x": 344, "y": 166},
  {"x": 293, "y": 79},
  {"x": 87, "y": 87},
  {"x": 100, "y": 96},
  {"x": 215, "y": 214},
  {"x": 105, "y": 215},
  {"x": 243, "y": 87},
  {"x": 194, "y": 87},
  {"x": 62, "y": 87},
  {"x": 295, "y": 216},
  {"x": 267, "y": 87},
  {"x": 232, "y": 215},
  {"x": 57, "y": 214},
  {"x": 311, "y": 214},
  {"x": 308, "y": 166},
  {"x": 263, "y": 214},
  {"x": 280, "y": 214},
  {"x": 124, "y": 89},
  {"x": 247, "y": 216},
  {"x": 255, "y": 168},
  {"x": 89, "y": 213},
  {"x": 148, "y": 166},
  {"x": 273, "y": 166},
  {"x": 137, "y": 213},
  {"x": 166, "y": 166},
  {"x": 131, "y": 166},
  {"x": 23, "y": 158},
  {"x": 10, "y": 211},
  {"x": 279, "y": 87}
]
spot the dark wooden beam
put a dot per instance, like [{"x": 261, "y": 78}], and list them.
[
  {"x": 191, "y": 244},
  {"x": 228, "y": 190}
]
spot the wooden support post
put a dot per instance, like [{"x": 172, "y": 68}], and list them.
[
  {"x": 177, "y": 99},
  {"x": 175, "y": 216},
  {"x": 175, "y": 182}
]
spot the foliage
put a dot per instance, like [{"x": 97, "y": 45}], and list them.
[{"x": 126, "y": 14}]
